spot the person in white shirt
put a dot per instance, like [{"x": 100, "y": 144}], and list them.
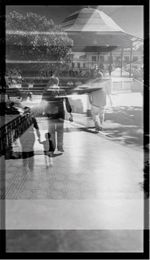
[{"x": 97, "y": 101}]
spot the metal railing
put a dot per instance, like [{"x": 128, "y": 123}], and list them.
[{"x": 13, "y": 130}]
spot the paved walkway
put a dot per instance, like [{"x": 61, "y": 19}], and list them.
[{"x": 90, "y": 200}]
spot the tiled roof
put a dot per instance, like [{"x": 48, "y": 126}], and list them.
[
  {"x": 93, "y": 28},
  {"x": 89, "y": 19}
]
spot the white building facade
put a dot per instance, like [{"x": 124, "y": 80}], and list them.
[{"x": 82, "y": 60}]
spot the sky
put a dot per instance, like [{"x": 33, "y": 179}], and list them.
[{"x": 129, "y": 18}]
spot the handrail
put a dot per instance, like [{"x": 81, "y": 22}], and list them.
[
  {"x": 138, "y": 81},
  {"x": 12, "y": 130}
]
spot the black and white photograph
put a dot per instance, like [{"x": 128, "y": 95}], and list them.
[{"x": 74, "y": 137}]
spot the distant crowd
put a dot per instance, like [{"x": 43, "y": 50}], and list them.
[
  {"x": 63, "y": 72},
  {"x": 79, "y": 72}
]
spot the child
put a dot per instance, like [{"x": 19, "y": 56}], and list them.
[{"x": 48, "y": 149}]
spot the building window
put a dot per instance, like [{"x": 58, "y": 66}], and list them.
[
  {"x": 72, "y": 65},
  {"x": 135, "y": 58},
  {"x": 78, "y": 65},
  {"x": 93, "y": 58},
  {"x": 101, "y": 58},
  {"x": 110, "y": 59},
  {"x": 83, "y": 65},
  {"x": 118, "y": 58},
  {"x": 126, "y": 59},
  {"x": 106, "y": 58}
]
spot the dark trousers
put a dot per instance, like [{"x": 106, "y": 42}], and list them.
[{"x": 56, "y": 129}]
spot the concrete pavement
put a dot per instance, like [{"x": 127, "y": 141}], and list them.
[
  {"x": 92, "y": 194},
  {"x": 91, "y": 200}
]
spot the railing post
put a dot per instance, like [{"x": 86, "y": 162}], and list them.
[
  {"x": 122, "y": 51},
  {"x": 13, "y": 130},
  {"x": 131, "y": 51}
]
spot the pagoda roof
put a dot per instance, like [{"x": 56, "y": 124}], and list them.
[
  {"x": 90, "y": 19},
  {"x": 93, "y": 29}
]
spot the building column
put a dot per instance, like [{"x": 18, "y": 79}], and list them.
[
  {"x": 110, "y": 63},
  {"x": 122, "y": 51},
  {"x": 111, "y": 58},
  {"x": 131, "y": 52}
]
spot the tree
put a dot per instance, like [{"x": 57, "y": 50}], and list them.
[{"x": 34, "y": 37}]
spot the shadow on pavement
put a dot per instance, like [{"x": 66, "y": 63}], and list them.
[
  {"x": 80, "y": 129},
  {"x": 19, "y": 155},
  {"x": 125, "y": 124}
]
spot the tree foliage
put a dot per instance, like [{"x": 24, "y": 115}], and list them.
[{"x": 36, "y": 36}]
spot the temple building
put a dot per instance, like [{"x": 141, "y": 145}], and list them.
[{"x": 98, "y": 40}]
